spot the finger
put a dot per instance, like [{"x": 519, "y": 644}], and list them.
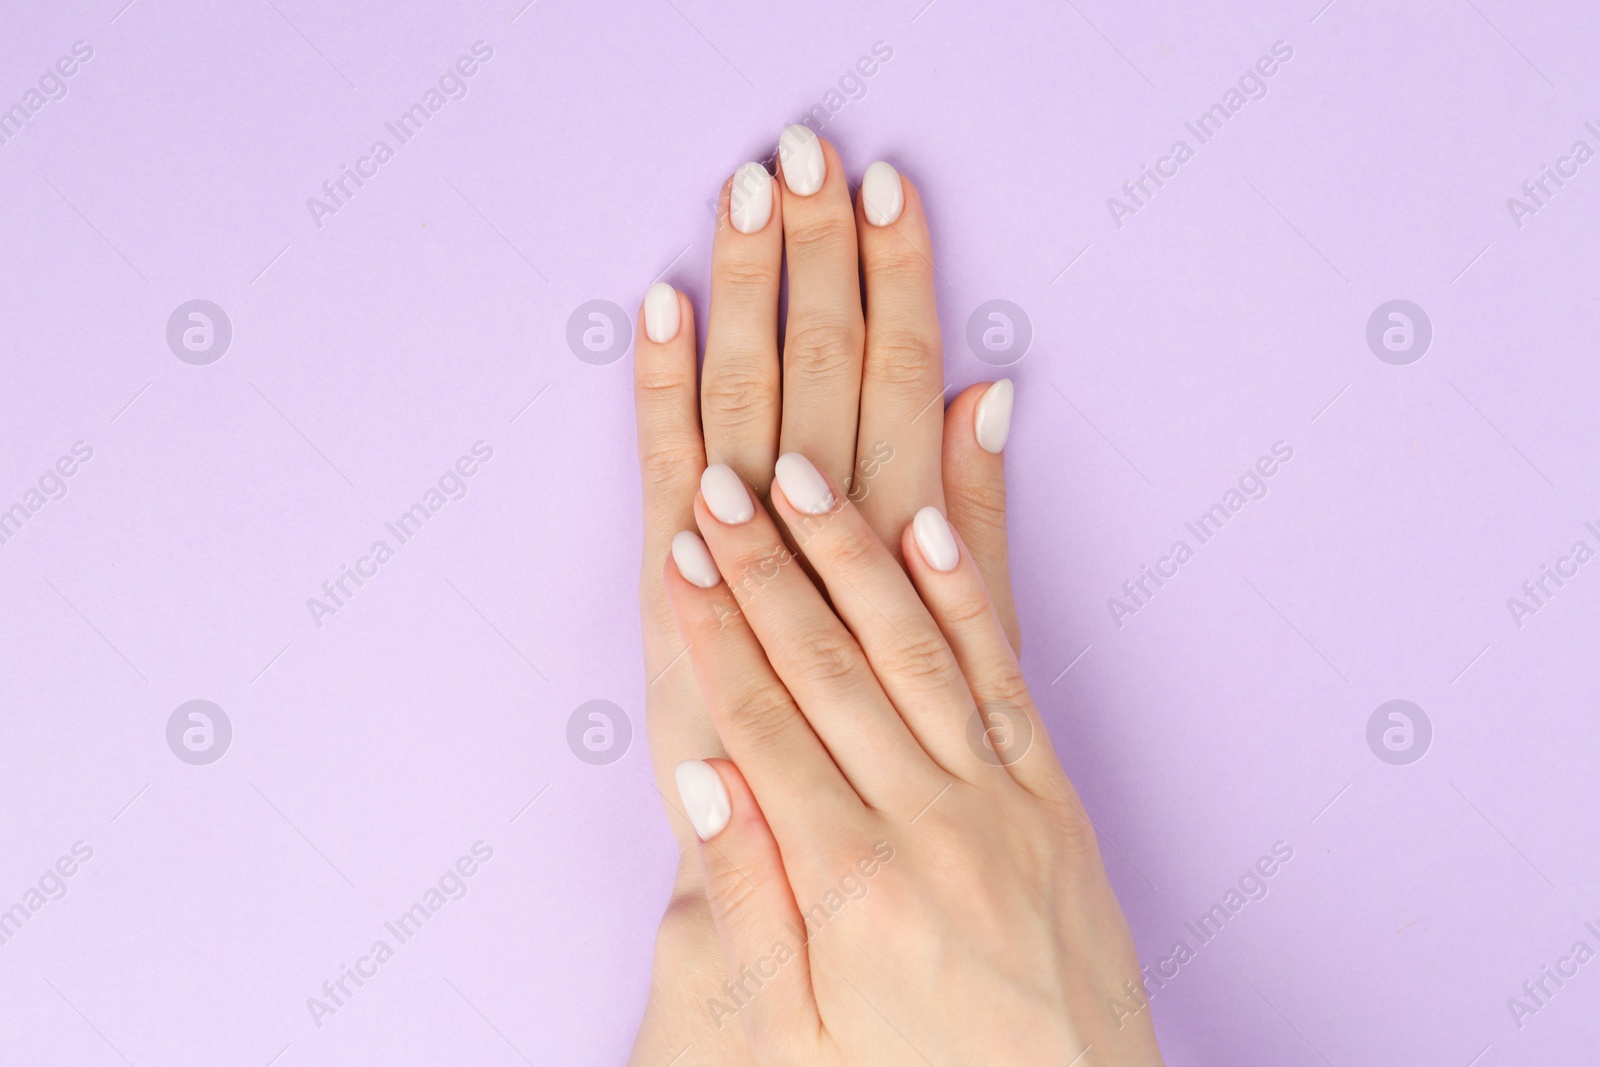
[
  {"x": 902, "y": 381},
  {"x": 824, "y": 331},
  {"x": 671, "y": 452},
  {"x": 671, "y": 458},
  {"x": 739, "y": 383},
  {"x": 758, "y": 922},
  {"x": 975, "y": 431},
  {"x": 909, "y": 655},
  {"x": 754, "y": 714},
  {"x": 816, "y": 658},
  {"x": 950, "y": 584}
]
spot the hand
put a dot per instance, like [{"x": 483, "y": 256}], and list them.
[
  {"x": 887, "y": 888},
  {"x": 859, "y": 388}
]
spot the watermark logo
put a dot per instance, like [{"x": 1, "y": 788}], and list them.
[
  {"x": 199, "y": 732},
  {"x": 999, "y": 733},
  {"x": 599, "y": 332},
  {"x": 199, "y": 332},
  {"x": 599, "y": 732},
  {"x": 1399, "y": 732},
  {"x": 999, "y": 332},
  {"x": 1399, "y": 332}
]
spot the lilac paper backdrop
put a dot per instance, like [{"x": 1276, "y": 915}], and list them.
[{"x": 1176, "y": 338}]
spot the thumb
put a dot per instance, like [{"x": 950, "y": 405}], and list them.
[{"x": 768, "y": 990}]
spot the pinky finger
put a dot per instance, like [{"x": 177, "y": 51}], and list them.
[
  {"x": 948, "y": 579},
  {"x": 976, "y": 426},
  {"x": 769, "y": 974}
]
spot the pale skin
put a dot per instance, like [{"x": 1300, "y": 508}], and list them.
[{"x": 832, "y": 691}]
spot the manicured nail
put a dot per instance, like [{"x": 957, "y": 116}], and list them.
[
  {"x": 750, "y": 201},
  {"x": 694, "y": 560},
  {"x": 705, "y": 798},
  {"x": 992, "y": 424},
  {"x": 934, "y": 539},
  {"x": 726, "y": 495},
  {"x": 882, "y": 198},
  {"x": 800, "y": 155},
  {"x": 803, "y": 484},
  {"x": 661, "y": 312}
]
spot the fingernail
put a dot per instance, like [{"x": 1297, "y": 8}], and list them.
[
  {"x": 661, "y": 312},
  {"x": 694, "y": 559},
  {"x": 800, "y": 156},
  {"x": 934, "y": 539},
  {"x": 705, "y": 798},
  {"x": 726, "y": 495},
  {"x": 803, "y": 484},
  {"x": 992, "y": 424},
  {"x": 750, "y": 201},
  {"x": 882, "y": 198}
]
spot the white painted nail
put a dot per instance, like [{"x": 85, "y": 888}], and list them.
[
  {"x": 882, "y": 198},
  {"x": 661, "y": 312},
  {"x": 694, "y": 559},
  {"x": 800, "y": 156},
  {"x": 803, "y": 484},
  {"x": 705, "y": 798},
  {"x": 992, "y": 423},
  {"x": 750, "y": 200},
  {"x": 726, "y": 495},
  {"x": 934, "y": 539}
]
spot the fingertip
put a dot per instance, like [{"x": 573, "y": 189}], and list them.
[
  {"x": 991, "y": 420},
  {"x": 804, "y": 159},
  {"x": 704, "y": 796},
  {"x": 663, "y": 313},
  {"x": 935, "y": 540},
  {"x": 804, "y": 487},
  {"x": 693, "y": 560},
  {"x": 882, "y": 194}
]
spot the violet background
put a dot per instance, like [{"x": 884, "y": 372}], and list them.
[{"x": 427, "y": 313}]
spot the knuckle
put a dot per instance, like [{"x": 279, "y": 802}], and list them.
[
  {"x": 721, "y": 612},
  {"x": 735, "y": 895},
  {"x": 823, "y": 348},
  {"x": 965, "y": 610},
  {"x": 761, "y": 714},
  {"x": 819, "y": 233},
  {"x": 982, "y": 503},
  {"x": 898, "y": 261},
  {"x": 1004, "y": 682},
  {"x": 754, "y": 570},
  {"x": 850, "y": 551},
  {"x": 827, "y": 656},
  {"x": 743, "y": 279},
  {"x": 738, "y": 391},
  {"x": 668, "y": 459},
  {"x": 902, "y": 356},
  {"x": 921, "y": 658},
  {"x": 655, "y": 383}
]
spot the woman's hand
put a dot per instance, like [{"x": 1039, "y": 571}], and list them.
[
  {"x": 898, "y": 868},
  {"x": 860, "y": 386}
]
